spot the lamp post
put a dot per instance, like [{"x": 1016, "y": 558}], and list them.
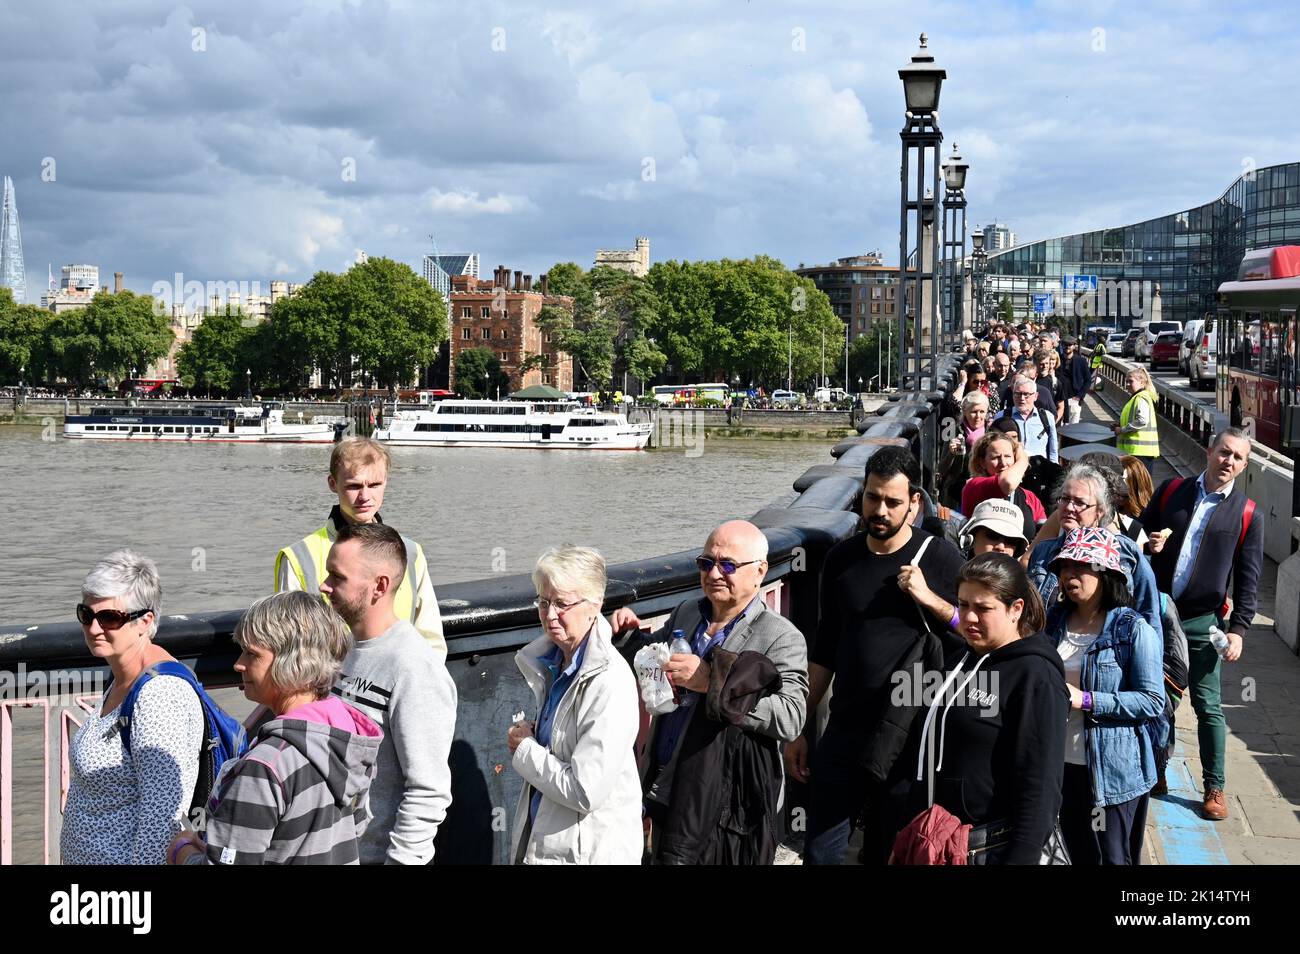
[
  {"x": 980, "y": 262},
  {"x": 954, "y": 241},
  {"x": 920, "y": 135}
]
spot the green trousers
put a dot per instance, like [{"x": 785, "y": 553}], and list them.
[{"x": 1203, "y": 686}]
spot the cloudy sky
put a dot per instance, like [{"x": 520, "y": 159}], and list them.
[{"x": 249, "y": 141}]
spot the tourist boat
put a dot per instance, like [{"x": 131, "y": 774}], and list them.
[
  {"x": 207, "y": 424},
  {"x": 542, "y": 424}
]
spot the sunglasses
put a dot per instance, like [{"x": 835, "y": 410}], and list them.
[
  {"x": 109, "y": 619},
  {"x": 728, "y": 567}
]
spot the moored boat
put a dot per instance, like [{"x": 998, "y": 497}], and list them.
[
  {"x": 560, "y": 425},
  {"x": 200, "y": 424}
]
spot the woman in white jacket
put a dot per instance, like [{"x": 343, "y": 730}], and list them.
[{"x": 581, "y": 801}]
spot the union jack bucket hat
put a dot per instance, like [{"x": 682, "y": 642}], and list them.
[{"x": 1091, "y": 545}]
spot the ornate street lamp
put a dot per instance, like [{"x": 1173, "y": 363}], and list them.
[
  {"x": 954, "y": 241},
  {"x": 980, "y": 263},
  {"x": 918, "y": 207}
]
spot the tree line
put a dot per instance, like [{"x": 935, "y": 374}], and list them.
[{"x": 751, "y": 321}]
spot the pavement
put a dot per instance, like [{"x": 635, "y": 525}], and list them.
[{"x": 1261, "y": 698}]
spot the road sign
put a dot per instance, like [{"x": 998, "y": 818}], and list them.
[
  {"x": 1079, "y": 282},
  {"x": 1042, "y": 303}
]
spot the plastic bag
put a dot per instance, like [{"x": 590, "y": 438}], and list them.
[{"x": 656, "y": 690}]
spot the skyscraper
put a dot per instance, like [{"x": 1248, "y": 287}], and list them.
[{"x": 13, "y": 274}]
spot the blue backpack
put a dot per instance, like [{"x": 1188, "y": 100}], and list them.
[{"x": 223, "y": 734}]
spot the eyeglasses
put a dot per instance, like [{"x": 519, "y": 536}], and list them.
[
  {"x": 728, "y": 567},
  {"x": 1026, "y": 393},
  {"x": 109, "y": 619},
  {"x": 1074, "y": 503},
  {"x": 544, "y": 605}
]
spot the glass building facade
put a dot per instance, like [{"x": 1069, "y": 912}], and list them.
[{"x": 1187, "y": 254}]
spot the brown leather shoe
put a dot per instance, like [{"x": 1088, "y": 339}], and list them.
[
  {"x": 1161, "y": 788},
  {"x": 1215, "y": 807}
]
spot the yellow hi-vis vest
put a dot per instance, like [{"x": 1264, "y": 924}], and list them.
[
  {"x": 1144, "y": 442},
  {"x": 307, "y": 561}
]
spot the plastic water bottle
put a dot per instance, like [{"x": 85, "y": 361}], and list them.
[
  {"x": 679, "y": 644},
  {"x": 1219, "y": 640}
]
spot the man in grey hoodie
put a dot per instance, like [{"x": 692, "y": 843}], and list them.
[{"x": 394, "y": 676}]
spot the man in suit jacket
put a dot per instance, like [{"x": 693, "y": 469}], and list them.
[
  {"x": 1200, "y": 553},
  {"x": 733, "y": 617}
]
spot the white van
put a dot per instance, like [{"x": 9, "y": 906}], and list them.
[
  {"x": 830, "y": 395},
  {"x": 1191, "y": 338},
  {"x": 1201, "y": 364}
]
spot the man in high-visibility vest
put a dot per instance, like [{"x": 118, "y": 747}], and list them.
[
  {"x": 358, "y": 476},
  {"x": 1136, "y": 433}
]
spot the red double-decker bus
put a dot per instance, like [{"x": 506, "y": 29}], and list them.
[
  {"x": 1256, "y": 321},
  {"x": 142, "y": 386}
]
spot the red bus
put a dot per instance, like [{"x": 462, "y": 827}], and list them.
[
  {"x": 147, "y": 385},
  {"x": 1257, "y": 342}
]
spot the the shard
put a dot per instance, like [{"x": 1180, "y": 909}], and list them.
[{"x": 13, "y": 274}]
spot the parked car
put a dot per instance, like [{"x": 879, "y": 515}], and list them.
[
  {"x": 789, "y": 398},
  {"x": 1191, "y": 338},
  {"x": 1201, "y": 366},
  {"x": 1129, "y": 347},
  {"x": 1147, "y": 339},
  {"x": 1165, "y": 350},
  {"x": 1116, "y": 343}
]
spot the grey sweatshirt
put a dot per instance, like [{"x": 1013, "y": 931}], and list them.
[{"x": 399, "y": 681}]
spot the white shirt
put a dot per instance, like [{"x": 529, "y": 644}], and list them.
[
  {"x": 1201, "y": 514},
  {"x": 1071, "y": 649}
]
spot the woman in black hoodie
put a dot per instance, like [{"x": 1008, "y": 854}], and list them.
[{"x": 999, "y": 719}]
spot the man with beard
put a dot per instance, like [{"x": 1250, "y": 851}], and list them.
[
  {"x": 878, "y": 643},
  {"x": 398, "y": 679}
]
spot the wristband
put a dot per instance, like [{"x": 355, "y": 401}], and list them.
[
  {"x": 956, "y": 619},
  {"x": 1086, "y": 705},
  {"x": 175, "y": 850}
]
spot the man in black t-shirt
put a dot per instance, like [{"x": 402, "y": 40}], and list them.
[{"x": 872, "y": 635}]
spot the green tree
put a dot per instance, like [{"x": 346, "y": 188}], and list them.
[
  {"x": 1006, "y": 311},
  {"x": 606, "y": 330},
  {"x": 397, "y": 320},
  {"x": 479, "y": 375},
  {"x": 751, "y": 318},
  {"x": 23, "y": 330},
  {"x": 114, "y": 334},
  {"x": 212, "y": 360}
]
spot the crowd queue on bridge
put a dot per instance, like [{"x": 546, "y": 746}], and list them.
[{"x": 1006, "y": 664}]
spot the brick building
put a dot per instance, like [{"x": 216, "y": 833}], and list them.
[
  {"x": 502, "y": 316},
  {"x": 862, "y": 289}
]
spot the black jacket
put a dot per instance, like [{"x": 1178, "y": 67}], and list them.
[
  {"x": 1076, "y": 377},
  {"x": 723, "y": 807},
  {"x": 1001, "y": 746},
  {"x": 1217, "y": 557}
]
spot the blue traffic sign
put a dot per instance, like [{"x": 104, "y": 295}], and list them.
[
  {"x": 1079, "y": 282},
  {"x": 1043, "y": 303}
]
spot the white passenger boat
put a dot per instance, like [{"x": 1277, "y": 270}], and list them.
[
  {"x": 542, "y": 424},
  {"x": 199, "y": 424}
]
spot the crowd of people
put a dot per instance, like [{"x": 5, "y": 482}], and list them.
[{"x": 1006, "y": 685}]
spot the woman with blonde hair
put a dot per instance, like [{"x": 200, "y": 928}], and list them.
[
  {"x": 1136, "y": 434},
  {"x": 998, "y": 464}
]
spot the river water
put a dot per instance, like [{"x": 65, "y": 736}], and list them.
[{"x": 213, "y": 517}]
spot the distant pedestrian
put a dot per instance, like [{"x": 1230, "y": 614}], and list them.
[{"x": 1136, "y": 433}]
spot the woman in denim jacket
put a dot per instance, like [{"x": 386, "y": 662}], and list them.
[{"x": 1113, "y": 666}]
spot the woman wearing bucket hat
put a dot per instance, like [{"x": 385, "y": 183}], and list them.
[{"x": 1113, "y": 668}]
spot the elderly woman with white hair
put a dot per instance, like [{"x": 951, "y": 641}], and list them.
[
  {"x": 581, "y": 800},
  {"x": 124, "y": 805},
  {"x": 299, "y": 795},
  {"x": 954, "y": 468}
]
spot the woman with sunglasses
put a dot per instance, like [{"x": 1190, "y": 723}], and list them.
[
  {"x": 581, "y": 800},
  {"x": 124, "y": 807}
]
